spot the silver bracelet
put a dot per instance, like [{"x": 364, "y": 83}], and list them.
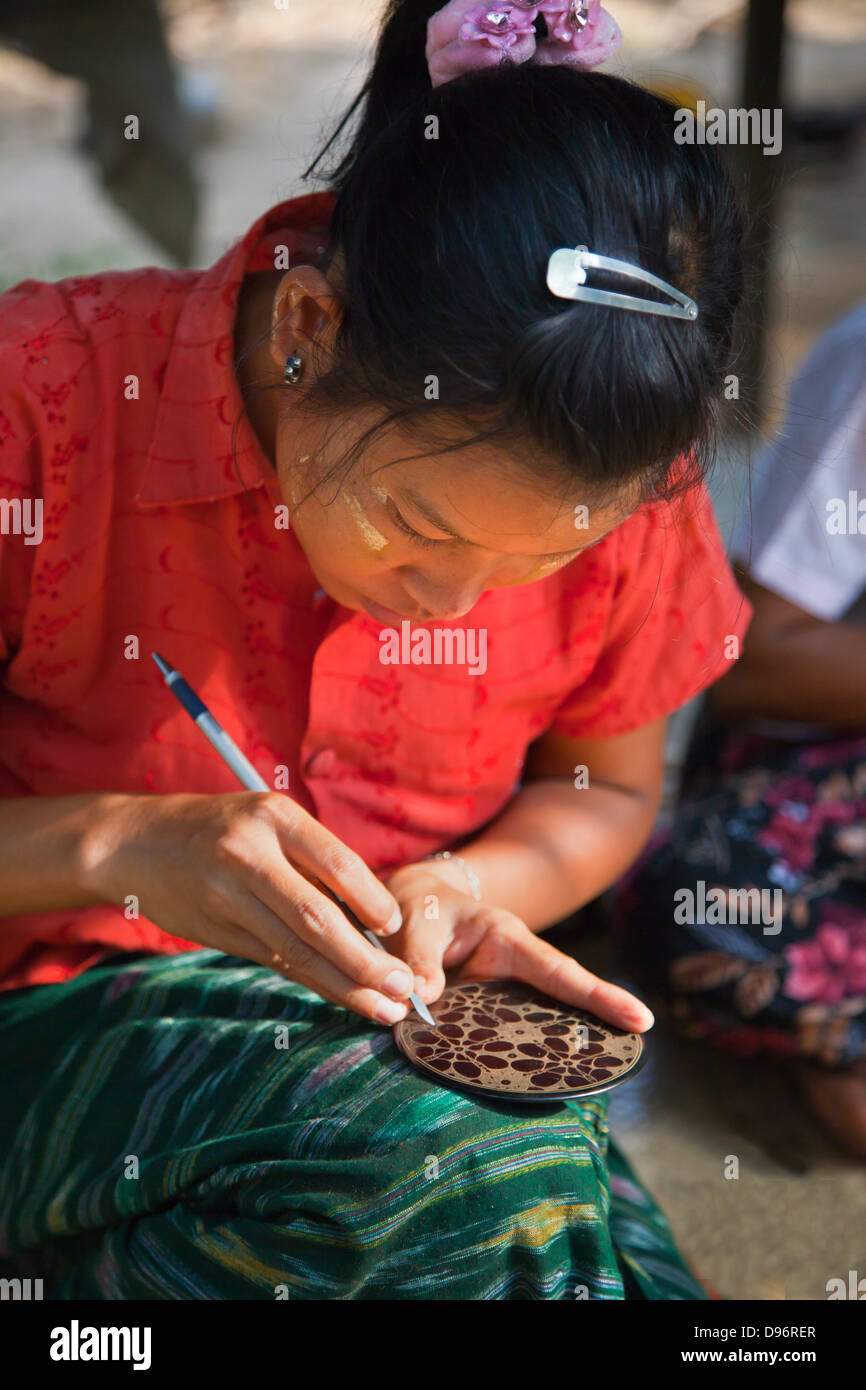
[{"x": 474, "y": 881}]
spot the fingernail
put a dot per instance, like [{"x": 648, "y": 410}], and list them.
[
  {"x": 388, "y": 1012},
  {"x": 641, "y": 1019},
  {"x": 394, "y": 923},
  {"x": 398, "y": 983}
]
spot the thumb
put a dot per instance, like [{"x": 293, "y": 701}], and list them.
[{"x": 422, "y": 943}]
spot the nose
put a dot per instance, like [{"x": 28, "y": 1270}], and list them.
[
  {"x": 443, "y": 602},
  {"x": 451, "y": 617}
]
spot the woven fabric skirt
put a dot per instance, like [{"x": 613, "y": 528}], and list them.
[{"x": 196, "y": 1127}]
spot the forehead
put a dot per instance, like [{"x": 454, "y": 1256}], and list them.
[{"x": 490, "y": 493}]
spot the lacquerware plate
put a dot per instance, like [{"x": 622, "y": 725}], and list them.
[{"x": 504, "y": 1039}]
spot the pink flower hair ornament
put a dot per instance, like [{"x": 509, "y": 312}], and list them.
[
  {"x": 580, "y": 33},
  {"x": 461, "y": 37}
]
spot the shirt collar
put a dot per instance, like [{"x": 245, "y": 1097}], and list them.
[{"x": 203, "y": 445}]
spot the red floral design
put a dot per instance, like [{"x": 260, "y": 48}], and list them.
[
  {"x": 794, "y": 838},
  {"x": 832, "y": 966}
]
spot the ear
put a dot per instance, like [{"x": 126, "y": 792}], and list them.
[{"x": 306, "y": 308}]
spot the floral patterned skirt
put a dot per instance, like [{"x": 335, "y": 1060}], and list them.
[{"x": 748, "y": 916}]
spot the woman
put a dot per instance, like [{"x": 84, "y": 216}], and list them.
[{"x": 372, "y": 414}]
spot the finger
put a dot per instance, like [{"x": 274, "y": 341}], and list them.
[
  {"x": 539, "y": 963},
  {"x": 233, "y": 940},
  {"x": 300, "y": 924},
  {"x": 315, "y": 848},
  {"x": 337, "y": 987},
  {"x": 331, "y": 984}
]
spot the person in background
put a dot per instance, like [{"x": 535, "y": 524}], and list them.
[
  {"x": 774, "y": 788},
  {"x": 121, "y": 55}
]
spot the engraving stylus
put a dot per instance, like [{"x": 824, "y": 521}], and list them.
[{"x": 254, "y": 782}]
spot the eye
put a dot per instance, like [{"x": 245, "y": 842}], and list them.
[{"x": 403, "y": 525}]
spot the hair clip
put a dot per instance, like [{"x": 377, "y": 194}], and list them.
[{"x": 566, "y": 277}]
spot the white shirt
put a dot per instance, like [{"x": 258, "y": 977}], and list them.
[{"x": 808, "y": 504}]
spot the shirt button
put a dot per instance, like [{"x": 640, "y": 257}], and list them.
[{"x": 321, "y": 763}]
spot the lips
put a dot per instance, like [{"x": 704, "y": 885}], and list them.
[{"x": 390, "y": 616}]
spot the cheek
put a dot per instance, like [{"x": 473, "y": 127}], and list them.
[
  {"x": 334, "y": 536},
  {"x": 334, "y": 546},
  {"x": 322, "y": 536}
]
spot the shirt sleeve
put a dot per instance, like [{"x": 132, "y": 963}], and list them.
[
  {"x": 804, "y": 534},
  {"x": 675, "y": 624},
  {"x": 21, "y": 503}
]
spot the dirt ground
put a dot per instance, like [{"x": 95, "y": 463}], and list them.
[{"x": 796, "y": 1216}]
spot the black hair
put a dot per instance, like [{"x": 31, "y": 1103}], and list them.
[{"x": 449, "y": 201}]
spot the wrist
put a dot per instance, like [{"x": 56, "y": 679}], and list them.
[
  {"x": 470, "y": 877},
  {"x": 410, "y": 877},
  {"x": 104, "y": 831}
]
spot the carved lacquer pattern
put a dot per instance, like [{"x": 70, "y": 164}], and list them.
[{"x": 507, "y": 1038}]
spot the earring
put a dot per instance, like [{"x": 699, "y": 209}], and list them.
[{"x": 292, "y": 370}]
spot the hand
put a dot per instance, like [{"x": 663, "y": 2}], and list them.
[
  {"x": 233, "y": 871},
  {"x": 482, "y": 942}
]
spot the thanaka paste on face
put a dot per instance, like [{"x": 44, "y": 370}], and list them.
[
  {"x": 291, "y": 490},
  {"x": 373, "y": 539},
  {"x": 557, "y": 563}
]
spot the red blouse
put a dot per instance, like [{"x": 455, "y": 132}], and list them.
[{"x": 118, "y": 403}]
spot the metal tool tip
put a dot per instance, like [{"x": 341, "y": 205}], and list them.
[
  {"x": 421, "y": 1009},
  {"x": 162, "y": 664}
]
